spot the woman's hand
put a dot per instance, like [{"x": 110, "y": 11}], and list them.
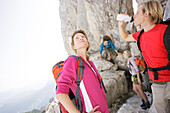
[
  {"x": 94, "y": 110},
  {"x": 100, "y": 56},
  {"x": 118, "y": 53}
]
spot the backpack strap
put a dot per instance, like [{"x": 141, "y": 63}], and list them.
[
  {"x": 103, "y": 84},
  {"x": 79, "y": 78},
  {"x": 167, "y": 42},
  {"x": 138, "y": 44},
  {"x": 130, "y": 64}
]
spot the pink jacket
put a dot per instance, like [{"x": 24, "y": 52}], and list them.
[{"x": 91, "y": 82}]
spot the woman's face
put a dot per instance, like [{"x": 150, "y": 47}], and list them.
[
  {"x": 80, "y": 41},
  {"x": 106, "y": 42}
]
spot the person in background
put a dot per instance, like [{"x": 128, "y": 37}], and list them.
[
  {"x": 108, "y": 45},
  {"x": 92, "y": 93},
  {"x": 136, "y": 78},
  {"x": 148, "y": 16}
]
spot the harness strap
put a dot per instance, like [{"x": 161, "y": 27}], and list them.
[
  {"x": 159, "y": 69},
  {"x": 57, "y": 75},
  {"x": 58, "y": 64}
]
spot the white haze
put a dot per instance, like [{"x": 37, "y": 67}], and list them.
[{"x": 30, "y": 43}]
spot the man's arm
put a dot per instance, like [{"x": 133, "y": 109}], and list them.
[{"x": 125, "y": 36}]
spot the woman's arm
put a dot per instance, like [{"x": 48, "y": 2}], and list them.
[
  {"x": 68, "y": 77},
  {"x": 113, "y": 47},
  {"x": 67, "y": 103},
  {"x": 101, "y": 49},
  {"x": 117, "y": 52}
]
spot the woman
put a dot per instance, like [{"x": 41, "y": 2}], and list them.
[
  {"x": 136, "y": 79},
  {"x": 93, "y": 98},
  {"x": 108, "y": 45}
]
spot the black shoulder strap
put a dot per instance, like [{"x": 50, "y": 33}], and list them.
[
  {"x": 103, "y": 86},
  {"x": 167, "y": 40},
  {"x": 130, "y": 64},
  {"x": 138, "y": 44},
  {"x": 167, "y": 44}
]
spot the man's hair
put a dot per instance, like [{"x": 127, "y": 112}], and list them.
[{"x": 154, "y": 9}]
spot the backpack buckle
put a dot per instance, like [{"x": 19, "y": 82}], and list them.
[
  {"x": 82, "y": 67},
  {"x": 78, "y": 83},
  {"x": 155, "y": 73},
  {"x": 168, "y": 66}
]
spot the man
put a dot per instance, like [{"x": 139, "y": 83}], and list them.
[{"x": 149, "y": 15}]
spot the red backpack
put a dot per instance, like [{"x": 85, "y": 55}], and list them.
[
  {"x": 140, "y": 63},
  {"x": 57, "y": 73}
]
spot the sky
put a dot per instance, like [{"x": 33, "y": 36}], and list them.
[
  {"x": 135, "y": 6},
  {"x": 30, "y": 43}
]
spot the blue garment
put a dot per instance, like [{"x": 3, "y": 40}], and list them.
[{"x": 110, "y": 44}]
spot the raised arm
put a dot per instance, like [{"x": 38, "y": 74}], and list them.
[{"x": 125, "y": 36}]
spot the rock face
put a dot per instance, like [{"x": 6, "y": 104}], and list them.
[
  {"x": 167, "y": 11},
  {"x": 53, "y": 107},
  {"x": 98, "y": 18},
  {"x": 115, "y": 83},
  {"x": 132, "y": 105}
]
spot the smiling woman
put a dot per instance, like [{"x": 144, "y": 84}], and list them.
[{"x": 31, "y": 42}]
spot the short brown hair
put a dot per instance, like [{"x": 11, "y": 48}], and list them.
[
  {"x": 154, "y": 9},
  {"x": 78, "y": 31},
  {"x": 106, "y": 38}
]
